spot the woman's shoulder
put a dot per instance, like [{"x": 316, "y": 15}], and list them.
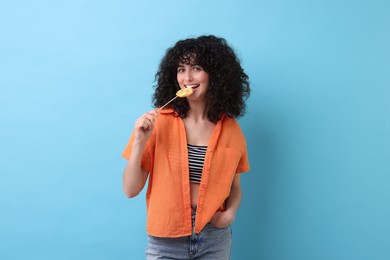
[
  {"x": 230, "y": 123},
  {"x": 231, "y": 134},
  {"x": 231, "y": 127}
]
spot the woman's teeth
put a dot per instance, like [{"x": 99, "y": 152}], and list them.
[{"x": 192, "y": 86}]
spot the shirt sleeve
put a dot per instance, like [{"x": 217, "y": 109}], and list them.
[
  {"x": 243, "y": 165},
  {"x": 147, "y": 155}
]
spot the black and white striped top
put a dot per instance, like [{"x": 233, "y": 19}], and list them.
[{"x": 196, "y": 155}]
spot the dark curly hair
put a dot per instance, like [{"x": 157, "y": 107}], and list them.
[{"x": 228, "y": 84}]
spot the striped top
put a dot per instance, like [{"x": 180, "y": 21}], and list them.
[{"x": 196, "y": 155}]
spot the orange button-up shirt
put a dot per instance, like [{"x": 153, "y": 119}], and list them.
[{"x": 165, "y": 157}]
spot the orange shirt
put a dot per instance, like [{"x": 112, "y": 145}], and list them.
[{"x": 165, "y": 157}]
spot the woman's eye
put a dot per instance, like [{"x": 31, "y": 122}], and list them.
[
  {"x": 180, "y": 70},
  {"x": 196, "y": 68}
]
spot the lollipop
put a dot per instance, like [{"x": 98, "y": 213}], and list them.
[{"x": 185, "y": 92}]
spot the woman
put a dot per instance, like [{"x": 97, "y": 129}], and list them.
[{"x": 192, "y": 150}]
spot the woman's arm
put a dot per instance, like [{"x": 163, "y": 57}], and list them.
[
  {"x": 222, "y": 219},
  {"x": 134, "y": 177}
]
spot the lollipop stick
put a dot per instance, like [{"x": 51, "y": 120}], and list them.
[{"x": 167, "y": 103}]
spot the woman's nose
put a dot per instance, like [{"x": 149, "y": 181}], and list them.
[{"x": 188, "y": 76}]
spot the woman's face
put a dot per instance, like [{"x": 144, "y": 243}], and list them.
[{"x": 193, "y": 76}]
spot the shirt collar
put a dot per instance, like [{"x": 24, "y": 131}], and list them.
[{"x": 167, "y": 111}]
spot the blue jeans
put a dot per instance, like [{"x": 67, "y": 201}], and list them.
[{"x": 211, "y": 243}]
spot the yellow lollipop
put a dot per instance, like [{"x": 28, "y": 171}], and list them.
[{"x": 185, "y": 92}]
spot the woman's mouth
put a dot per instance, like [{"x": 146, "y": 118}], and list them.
[{"x": 194, "y": 86}]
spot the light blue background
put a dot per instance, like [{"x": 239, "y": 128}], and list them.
[{"x": 74, "y": 76}]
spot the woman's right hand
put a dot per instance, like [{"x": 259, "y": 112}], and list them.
[{"x": 143, "y": 127}]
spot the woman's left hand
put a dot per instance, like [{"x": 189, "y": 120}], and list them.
[{"x": 222, "y": 219}]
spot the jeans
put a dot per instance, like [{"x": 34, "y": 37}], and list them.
[{"x": 211, "y": 243}]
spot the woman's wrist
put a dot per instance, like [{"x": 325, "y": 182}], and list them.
[{"x": 138, "y": 145}]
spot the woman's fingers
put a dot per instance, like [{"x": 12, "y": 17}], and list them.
[
  {"x": 221, "y": 219},
  {"x": 147, "y": 120},
  {"x": 144, "y": 123},
  {"x": 153, "y": 112}
]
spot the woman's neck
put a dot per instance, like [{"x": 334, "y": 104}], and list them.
[{"x": 197, "y": 112}]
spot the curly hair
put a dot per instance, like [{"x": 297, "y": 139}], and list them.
[{"x": 228, "y": 83}]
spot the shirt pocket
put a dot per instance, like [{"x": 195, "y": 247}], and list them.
[{"x": 224, "y": 163}]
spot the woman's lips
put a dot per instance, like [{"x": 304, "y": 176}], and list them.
[{"x": 194, "y": 86}]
